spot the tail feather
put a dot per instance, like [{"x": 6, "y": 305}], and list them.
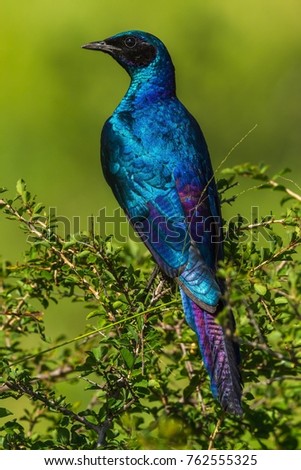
[{"x": 220, "y": 355}]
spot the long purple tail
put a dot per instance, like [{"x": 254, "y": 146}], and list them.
[{"x": 220, "y": 355}]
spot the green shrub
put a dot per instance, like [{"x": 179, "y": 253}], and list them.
[{"x": 138, "y": 362}]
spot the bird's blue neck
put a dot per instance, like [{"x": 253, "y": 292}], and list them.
[{"x": 148, "y": 86}]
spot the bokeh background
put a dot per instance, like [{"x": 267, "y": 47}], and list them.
[{"x": 238, "y": 64}]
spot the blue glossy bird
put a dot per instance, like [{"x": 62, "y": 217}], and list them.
[{"x": 155, "y": 159}]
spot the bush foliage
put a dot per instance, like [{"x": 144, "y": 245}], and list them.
[{"x": 138, "y": 361}]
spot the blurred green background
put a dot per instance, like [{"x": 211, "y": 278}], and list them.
[{"x": 238, "y": 64}]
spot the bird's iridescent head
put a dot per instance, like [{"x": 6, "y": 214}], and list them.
[{"x": 134, "y": 50}]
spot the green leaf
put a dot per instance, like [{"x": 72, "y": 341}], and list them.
[
  {"x": 4, "y": 412},
  {"x": 117, "y": 304},
  {"x": 92, "y": 314},
  {"x": 21, "y": 190},
  {"x": 280, "y": 300},
  {"x": 153, "y": 383},
  {"x": 38, "y": 208},
  {"x": 83, "y": 254},
  {"x": 128, "y": 357},
  {"x": 21, "y": 187},
  {"x": 260, "y": 289},
  {"x": 69, "y": 243},
  {"x": 63, "y": 435}
]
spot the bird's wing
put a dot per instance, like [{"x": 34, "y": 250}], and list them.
[
  {"x": 171, "y": 203},
  {"x": 198, "y": 197},
  {"x": 148, "y": 195}
]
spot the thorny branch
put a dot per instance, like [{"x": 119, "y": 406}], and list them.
[
  {"x": 50, "y": 403},
  {"x": 52, "y": 376},
  {"x": 39, "y": 234},
  {"x": 287, "y": 190},
  {"x": 278, "y": 253}
]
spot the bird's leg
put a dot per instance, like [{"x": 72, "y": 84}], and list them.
[
  {"x": 152, "y": 278},
  {"x": 158, "y": 292}
]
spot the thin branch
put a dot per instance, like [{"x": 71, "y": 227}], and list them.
[
  {"x": 265, "y": 348},
  {"x": 289, "y": 247},
  {"x": 215, "y": 432},
  {"x": 267, "y": 310},
  {"x": 250, "y": 387},
  {"x": 288, "y": 191},
  {"x": 49, "y": 403},
  {"x": 93, "y": 333},
  {"x": 53, "y": 375},
  {"x": 264, "y": 223},
  {"x": 32, "y": 228}
]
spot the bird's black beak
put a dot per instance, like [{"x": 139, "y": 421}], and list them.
[{"x": 100, "y": 46}]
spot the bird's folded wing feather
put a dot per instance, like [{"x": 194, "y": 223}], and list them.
[
  {"x": 149, "y": 197},
  {"x": 172, "y": 206},
  {"x": 198, "y": 197}
]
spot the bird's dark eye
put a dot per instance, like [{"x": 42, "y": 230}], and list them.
[{"x": 130, "y": 42}]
